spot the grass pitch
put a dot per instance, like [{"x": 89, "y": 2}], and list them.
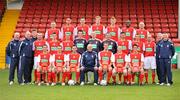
[{"x": 88, "y": 92}]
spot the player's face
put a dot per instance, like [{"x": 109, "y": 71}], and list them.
[
  {"x": 54, "y": 36},
  {"x": 89, "y": 47},
  {"x": 113, "y": 21},
  {"x": 39, "y": 36},
  {"x": 165, "y": 36},
  {"x": 149, "y": 38},
  {"x": 82, "y": 21},
  {"x": 108, "y": 36},
  {"x": 159, "y": 37},
  {"x": 119, "y": 49},
  {"x": 105, "y": 46},
  {"x": 135, "y": 48},
  {"x": 137, "y": 37},
  {"x": 16, "y": 36},
  {"x": 34, "y": 33},
  {"x": 141, "y": 25},
  {"x": 53, "y": 25},
  {"x": 45, "y": 48},
  {"x": 68, "y": 21},
  {"x": 28, "y": 35},
  {"x": 123, "y": 36},
  {"x": 98, "y": 20},
  {"x": 80, "y": 34},
  {"x": 67, "y": 37},
  {"x": 93, "y": 34},
  {"x": 128, "y": 23},
  {"x": 59, "y": 49},
  {"x": 74, "y": 49}
]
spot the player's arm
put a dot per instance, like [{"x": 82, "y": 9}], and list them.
[{"x": 142, "y": 61}]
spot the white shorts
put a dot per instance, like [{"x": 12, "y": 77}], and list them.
[
  {"x": 35, "y": 62},
  {"x": 150, "y": 62}
]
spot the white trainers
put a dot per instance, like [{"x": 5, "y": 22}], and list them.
[
  {"x": 162, "y": 84},
  {"x": 22, "y": 84},
  {"x": 53, "y": 84},
  {"x": 95, "y": 84},
  {"x": 11, "y": 83},
  {"x": 47, "y": 84},
  {"x": 39, "y": 84},
  {"x": 157, "y": 83},
  {"x": 119, "y": 83},
  {"x": 168, "y": 84},
  {"x": 82, "y": 83},
  {"x": 63, "y": 84}
]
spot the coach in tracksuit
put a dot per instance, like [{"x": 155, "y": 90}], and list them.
[
  {"x": 26, "y": 56},
  {"x": 89, "y": 62},
  {"x": 12, "y": 51},
  {"x": 165, "y": 51},
  {"x": 158, "y": 40}
]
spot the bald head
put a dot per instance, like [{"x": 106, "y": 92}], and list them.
[
  {"x": 16, "y": 35},
  {"x": 89, "y": 47},
  {"x": 141, "y": 25},
  {"x": 28, "y": 35}
]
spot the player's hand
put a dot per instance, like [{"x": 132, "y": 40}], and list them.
[
  {"x": 100, "y": 68},
  {"x": 95, "y": 68},
  {"x": 82, "y": 68}
]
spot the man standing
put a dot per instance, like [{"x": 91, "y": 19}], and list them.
[
  {"x": 165, "y": 51},
  {"x": 149, "y": 60},
  {"x": 49, "y": 33},
  {"x": 67, "y": 30},
  {"x": 98, "y": 28},
  {"x": 12, "y": 51},
  {"x": 113, "y": 29},
  {"x": 158, "y": 40},
  {"x": 142, "y": 32},
  {"x": 130, "y": 31},
  {"x": 26, "y": 57},
  {"x": 89, "y": 62},
  {"x": 80, "y": 42}
]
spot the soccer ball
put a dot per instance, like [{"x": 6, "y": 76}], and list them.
[
  {"x": 103, "y": 83},
  {"x": 71, "y": 82}
]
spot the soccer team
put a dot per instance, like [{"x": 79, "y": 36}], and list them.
[{"x": 106, "y": 51}]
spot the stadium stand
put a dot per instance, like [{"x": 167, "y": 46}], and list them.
[
  {"x": 158, "y": 15},
  {"x": 2, "y": 8}
]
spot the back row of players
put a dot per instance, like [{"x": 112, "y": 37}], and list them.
[{"x": 123, "y": 49}]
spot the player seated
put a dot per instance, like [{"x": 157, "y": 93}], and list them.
[
  {"x": 136, "y": 66},
  {"x": 74, "y": 63},
  {"x": 120, "y": 64},
  {"x": 59, "y": 64},
  {"x": 44, "y": 63},
  {"x": 105, "y": 61}
]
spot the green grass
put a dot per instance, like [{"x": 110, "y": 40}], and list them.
[{"x": 33, "y": 92}]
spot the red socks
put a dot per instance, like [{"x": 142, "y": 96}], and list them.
[
  {"x": 153, "y": 76},
  {"x": 133, "y": 77},
  {"x": 38, "y": 77},
  {"x": 146, "y": 76},
  {"x": 49, "y": 77},
  {"x": 35, "y": 75},
  {"x": 100, "y": 75},
  {"x": 129, "y": 76},
  {"x": 141, "y": 77}
]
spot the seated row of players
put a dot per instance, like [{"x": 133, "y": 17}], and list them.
[
  {"x": 69, "y": 30},
  {"x": 125, "y": 64}
]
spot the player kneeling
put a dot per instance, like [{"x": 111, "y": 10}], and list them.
[
  {"x": 136, "y": 65},
  {"x": 74, "y": 64},
  {"x": 105, "y": 60},
  {"x": 59, "y": 66},
  {"x": 120, "y": 64},
  {"x": 44, "y": 63}
]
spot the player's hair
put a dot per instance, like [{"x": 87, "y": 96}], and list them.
[
  {"x": 80, "y": 31},
  {"x": 135, "y": 45},
  {"x": 113, "y": 18},
  {"x": 54, "y": 33},
  {"x": 34, "y": 29},
  {"x": 122, "y": 32},
  {"x": 97, "y": 17}
]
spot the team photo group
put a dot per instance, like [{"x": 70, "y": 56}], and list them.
[{"x": 98, "y": 55}]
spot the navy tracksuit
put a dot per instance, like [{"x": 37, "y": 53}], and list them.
[
  {"x": 157, "y": 62},
  {"x": 12, "y": 51},
  {"x": 89, "y": 60},
  {"x": 165, "y": 51},
  {"x": 26, "y": 57}
]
